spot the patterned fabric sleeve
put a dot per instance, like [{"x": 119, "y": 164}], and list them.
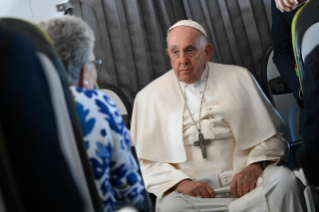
[{"x": 108, "y": 145}]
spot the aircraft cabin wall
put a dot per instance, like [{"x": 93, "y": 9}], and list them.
[{"x": 32, "y": 10}]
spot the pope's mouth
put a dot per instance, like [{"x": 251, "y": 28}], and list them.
[{"x": 185, "y": 70}]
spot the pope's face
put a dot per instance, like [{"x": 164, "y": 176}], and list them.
[{"x": 188, "y": 54}]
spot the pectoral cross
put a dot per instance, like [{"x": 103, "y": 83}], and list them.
[{"x": 202, "y": 142}]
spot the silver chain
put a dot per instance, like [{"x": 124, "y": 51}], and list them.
[{"x": 201, "y": 102}]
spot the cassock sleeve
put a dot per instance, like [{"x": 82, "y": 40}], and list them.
[
  {"x": 159, "y": 177},
  {"x": 272, "y": 150}
]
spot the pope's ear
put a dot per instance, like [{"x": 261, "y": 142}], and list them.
[
  {"x": 208, "y": 50},
  {"x": 167, "y": 52}
]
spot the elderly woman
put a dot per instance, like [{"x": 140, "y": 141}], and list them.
[{"x": 105, "y": 134}]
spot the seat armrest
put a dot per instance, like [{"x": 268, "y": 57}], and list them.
[{"x": 295, "y": 143}]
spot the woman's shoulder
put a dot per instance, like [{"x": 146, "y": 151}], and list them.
[
  {"x": 92, "y": 97},
  {"x": 98, "y": 105}
]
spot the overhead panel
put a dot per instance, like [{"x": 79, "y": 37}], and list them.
[
  {"x": 16, "y": 9},
  {"x": 45, "y": 9},
  {"x": 31, "y": 10}
]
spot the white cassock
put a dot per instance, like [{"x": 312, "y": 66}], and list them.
[{"x": 242, "y": 126}]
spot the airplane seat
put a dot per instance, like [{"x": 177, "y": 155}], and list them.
[
  {"x": 34, "y": 173},
  {"x": 68, "y": 127},
  {"x": 121, "y": 101},
  {"x": 125, "y": 108},
  {"x": 282, "y": 99},
  {"x": 305, "y": 31}
]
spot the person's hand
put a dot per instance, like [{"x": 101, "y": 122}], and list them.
[
  {"x": 244, "y": 181},
  {"x": 194, "y": 188},
  {"x": 286, "y": 5}
]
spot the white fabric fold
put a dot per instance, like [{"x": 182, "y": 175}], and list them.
[
  {"x": 158, "y": 113},
  {"x": 159, "y": 177}
]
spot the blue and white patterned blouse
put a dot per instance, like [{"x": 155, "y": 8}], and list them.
[{"x": 108, "y": 146}]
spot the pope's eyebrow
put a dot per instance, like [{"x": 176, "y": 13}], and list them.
[{"x": 190, "y": 46}]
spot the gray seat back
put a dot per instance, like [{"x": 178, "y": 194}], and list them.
[
  {"x": 283, "y": 100},
  {"x": 121, "y": 101},
  {"x": 310, "y": 40}
]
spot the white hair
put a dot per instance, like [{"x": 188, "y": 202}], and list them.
[{"x": 73, "y": 41}]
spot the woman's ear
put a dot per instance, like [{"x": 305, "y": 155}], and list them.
[{"x": 82, "y": 76}]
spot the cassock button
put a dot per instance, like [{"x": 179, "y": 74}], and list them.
[
  {"x": 225, "y": 180},
  {"x": 201, "y": 92},
  {"x": 210, "y": 108}
]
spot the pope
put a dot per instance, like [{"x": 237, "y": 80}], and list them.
[{"x": 203, "y": 126}]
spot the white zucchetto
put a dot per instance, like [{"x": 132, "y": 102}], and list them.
[{"x": 189, "y": 23}]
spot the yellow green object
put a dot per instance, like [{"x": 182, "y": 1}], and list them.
[
  {"x": 293, "y": 29},
  {"x": 97, "y": 86}
]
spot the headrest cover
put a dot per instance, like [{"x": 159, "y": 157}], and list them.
[{"x": 189, "y": 23}]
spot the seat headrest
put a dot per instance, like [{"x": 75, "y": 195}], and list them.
[{"x": 32, "y": 31}]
